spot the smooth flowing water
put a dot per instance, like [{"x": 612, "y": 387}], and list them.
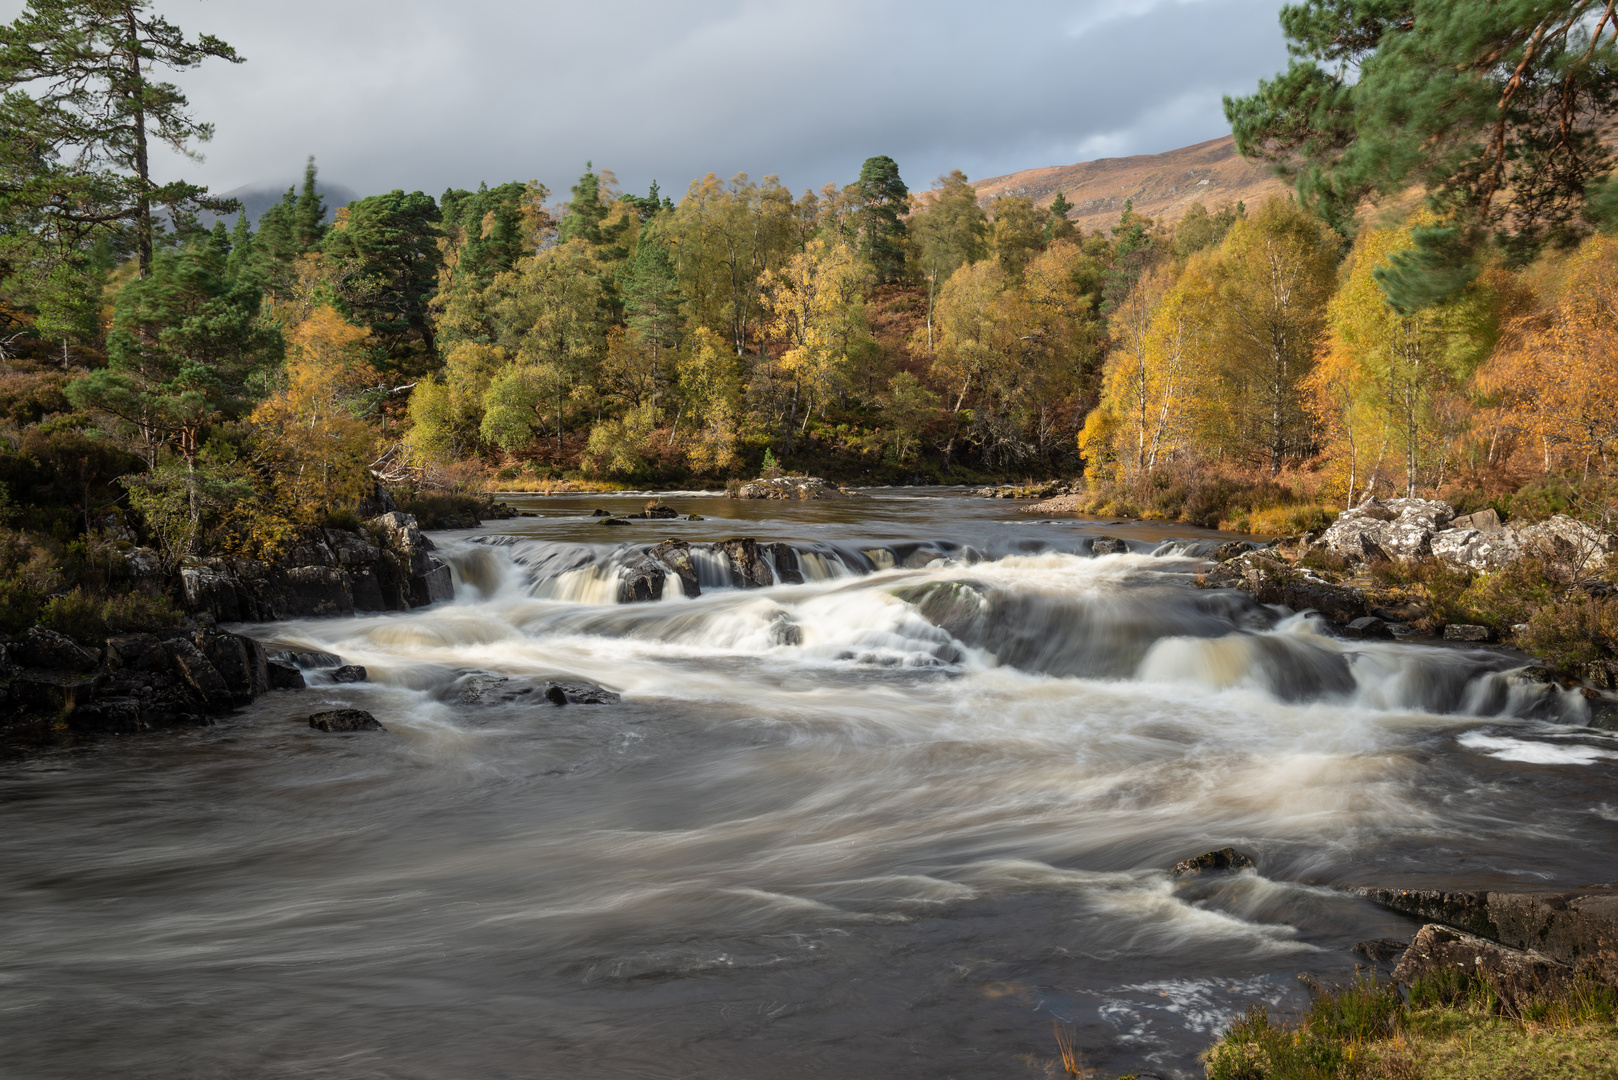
[{"x": 893, "y": 821}]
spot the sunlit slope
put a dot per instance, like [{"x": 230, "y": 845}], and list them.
[{"x": 1161, "y": 185}]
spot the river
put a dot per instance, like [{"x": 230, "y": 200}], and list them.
[{"x": 895, "y": 821}]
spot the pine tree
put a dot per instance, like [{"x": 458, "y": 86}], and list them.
[
  {"x": 883, "y": 199},
  {"x": 80, "y": 95}
]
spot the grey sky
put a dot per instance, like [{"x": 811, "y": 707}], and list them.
[{"x": 435, "y": 93}]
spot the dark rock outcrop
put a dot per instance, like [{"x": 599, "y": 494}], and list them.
[
  {"x": 386, "y": 566},
  {"x": 138, "y": 683},
  {"x": 349, "y": 673},
  {"x": 41, "y": 648},
  {"x": 284, "y": 676},
  {"x": 1367, "y": 627},
  {"x": 1108, "y": 545},
  {"x": 1225, "y": 860},
  {"x": 345, "y": 720},
  {"x": 1578, "y": 929},
  {"x": 573, "y": 692}
]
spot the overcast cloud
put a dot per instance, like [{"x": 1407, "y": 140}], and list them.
[{"x": 430, "y": 94}]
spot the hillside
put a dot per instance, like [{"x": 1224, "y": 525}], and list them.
[{"x": 1162, "y": 185}]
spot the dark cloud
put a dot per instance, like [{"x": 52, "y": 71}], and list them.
[{"x": 429, "y": 93}]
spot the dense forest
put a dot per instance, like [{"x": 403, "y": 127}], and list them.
[{"x": 1436, "y": 311}]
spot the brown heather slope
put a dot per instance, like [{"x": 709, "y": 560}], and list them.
[{"x": 1162, "y": 185}]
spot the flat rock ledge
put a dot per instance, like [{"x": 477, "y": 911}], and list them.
[{"x": 1575, "y": 931}]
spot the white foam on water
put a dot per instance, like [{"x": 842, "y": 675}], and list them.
[{"x": 1534, "y": 752}]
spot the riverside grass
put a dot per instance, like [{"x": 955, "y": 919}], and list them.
[{"x": 1452, "y": 1026}]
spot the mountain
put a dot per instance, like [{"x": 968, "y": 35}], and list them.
[
  {"x": 257, "y": 198},
  {"x": 1161, "y": 185}
]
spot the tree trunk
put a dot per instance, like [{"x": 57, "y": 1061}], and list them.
[{"x": 143, "y": 201}]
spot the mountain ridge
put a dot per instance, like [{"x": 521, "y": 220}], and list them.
[{"x": 1161, "y": 186}]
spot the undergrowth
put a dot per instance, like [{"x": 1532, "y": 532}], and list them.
[{"x": 1453, "y": 1025}]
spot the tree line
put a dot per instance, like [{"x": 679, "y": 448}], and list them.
[{"x": 1428, "y": 310}]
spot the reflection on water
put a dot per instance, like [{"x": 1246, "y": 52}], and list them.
[{"x": 888, "y": 822}]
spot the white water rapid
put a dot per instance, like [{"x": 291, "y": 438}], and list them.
[{"x": 889, "y": 821}]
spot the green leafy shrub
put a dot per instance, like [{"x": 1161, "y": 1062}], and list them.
[
  {"x": 1507, "y": 597},
  {"x": 134, "y": 612}
]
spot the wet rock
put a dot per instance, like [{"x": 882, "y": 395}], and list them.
[
  {"x": 41, "y": 648},
  {"x": 573, "y": 692},
  {"x": 200, "y": 675},
  {"x": 345, "y": 720},
  {"x": 1578, "y": 929},
  {"x": 315, "y": 591},
  {"x": 1367, "y": 627},
  {"x": 657, "y": 511},
  {"x": 349, "y": 673},
  {"x": 695, "y": 517},
  {"x": 1108, "y": 545},
  {"x": 433, "y": 587},
  {"x": 1381, "y": 950},
  {"x": 1603, "y": 714},
  {"x": 676, "y": 555},
  {"x": 641, "y": 582},
  {"x": 1231, "y": 549},
  {"x": 600, "y": 513},
  {"x": 483, "y": 688},
  {"x": 284, "y": 676},
  {"x": 310, "y": 660},
  {"x": 787, "y": 569},
  {"x": 1515, "y": 974},
  {"x": 1271, "y": 581},
  {"x": 613, "y": 521},
  {"x": 402, "y": 535},
  {"x": 351, "y": 549},
  {"x": 748, "y": 570},
  {"x": 240, "y": 661},
  {"x": 1467, "y": 632},
  {"x": 1225, "y": 860}
]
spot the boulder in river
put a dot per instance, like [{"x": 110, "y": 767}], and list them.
[
  {"x": 641, "y": 582},
  {"x": 792, "y": 487},
  {"x": 676, "y": 555},
  {"x": 1223, "y": 861},
  {"x": 284, "y": 676},
  {"x": 1367, "y": 627},
  {"x": 349, "y": 673},
  {"x": 577, "y": 692},
  {"x": 1467, "y": 632},
  {"x": 748, "y": 570},
  {"x": 1108, "y": 545},
  {"x": 345, "y": 720}
]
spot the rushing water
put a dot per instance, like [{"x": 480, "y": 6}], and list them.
[{"x": 890, "y": 822}]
